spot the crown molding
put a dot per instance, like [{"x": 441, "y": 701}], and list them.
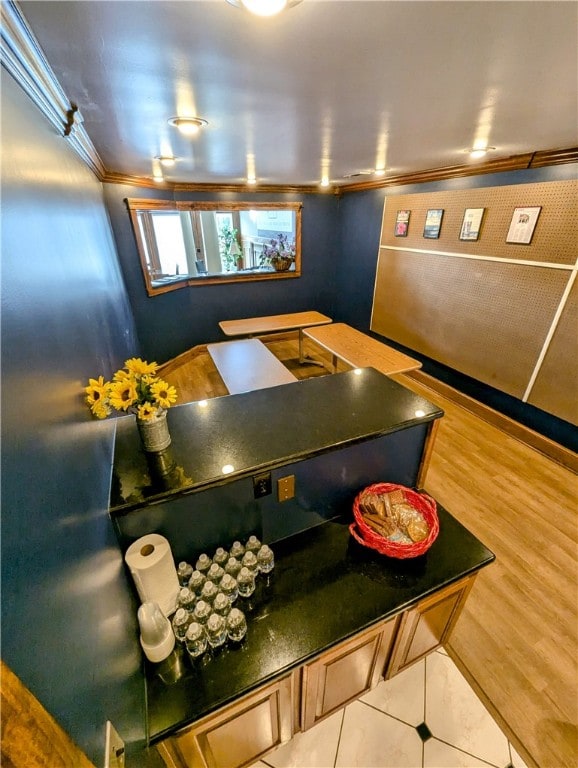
[{"x": 23, "y": 58}]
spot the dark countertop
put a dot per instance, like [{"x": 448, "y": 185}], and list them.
[
  {"x": 324, "y": 589},
  {"x": 264, "y": 428}
]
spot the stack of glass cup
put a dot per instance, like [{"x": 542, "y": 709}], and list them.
[{"x": 206, "y": 618}]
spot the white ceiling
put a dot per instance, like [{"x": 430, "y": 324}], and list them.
[{"x": 330, "y": 87}]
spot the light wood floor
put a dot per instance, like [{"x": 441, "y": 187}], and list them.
[{"x": 517, "y": 639}]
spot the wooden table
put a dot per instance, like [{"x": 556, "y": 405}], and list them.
[
  {"x": 360, "y": 350},
  {"x": 247, "y": 364},
  {"x": 253, "y": 326}
]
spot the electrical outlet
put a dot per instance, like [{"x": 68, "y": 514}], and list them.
[
  {"x": 114, "y": 748},
  {"x": 262, "y": 485}
]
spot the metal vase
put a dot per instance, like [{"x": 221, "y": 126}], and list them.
[{"x": 154, "y": 432}]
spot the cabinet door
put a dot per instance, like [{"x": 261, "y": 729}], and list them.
[
  {"x": 236, "y": 735},
  {"x": 345, "y": 673},
  {"x": 428, "y": 625}
]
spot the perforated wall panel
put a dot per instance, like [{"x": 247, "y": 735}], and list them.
[
  {"x": 555, "y": 237},
  {"x": 475, "y": 305},
  {"x": 485, "y": 319},
  {"x": 556, "y": 385}
]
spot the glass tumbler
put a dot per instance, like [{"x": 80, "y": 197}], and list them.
[
  {"x": 265, "y": 559},
  {"x": 203, "y": 563},
  {"x": 215, "y": 573},
  {"x": 228, "y": 587},
  {"x": 196, "y": 582},
  {"x": 184, "y": 572},
  {"x": 216, "y": 630},
  {"x": 246, "y": 582},
  {"x": 202, "y": 612},
  {"x": 196, "y": 640},
  {"x": 221, "y": 556},
  {"x": 236, "y": 625},
  {"x": 180, "y": 622}
]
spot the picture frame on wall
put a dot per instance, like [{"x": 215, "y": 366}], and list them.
[
  {"x": 523, "y": 225},
  {"x": 471, "y": 223},
  {"x": 433, "y": 223},
  {"x": 401, "y": 223}
]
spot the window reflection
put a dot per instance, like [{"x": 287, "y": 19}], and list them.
[{"x": 192, "y": 243}]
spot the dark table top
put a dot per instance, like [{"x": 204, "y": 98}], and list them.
[
  {"x": 325, "y": 588},
  {"x": 260, "y": 429}
]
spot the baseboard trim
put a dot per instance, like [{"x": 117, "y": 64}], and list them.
[{"x": 544, "y": 445}]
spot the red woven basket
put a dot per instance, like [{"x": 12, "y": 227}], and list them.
[{"x": 367, "y": 537}]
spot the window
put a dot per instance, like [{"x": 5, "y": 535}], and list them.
[{"x": 182, "y": 244}]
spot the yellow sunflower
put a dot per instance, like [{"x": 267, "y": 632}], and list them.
[
  {"x": 164, "y": 394},
  {"x": 96, "y": 391},
  {"x": 122, "y": 394},
  {"x": 100, "y": 409},
  {"x": 147, "y": 411},
  {"x": 138, "y": 366}
]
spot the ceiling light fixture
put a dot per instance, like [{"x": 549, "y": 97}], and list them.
[
  {"x": 166, "y": 160},
  {"x": 188, "y": 125},
  {"x": 478, "y": 152},
  {"x": 251, "y": 180},
  {"x": 264, "y": 7},
  {"x": 324, "y": 182}
]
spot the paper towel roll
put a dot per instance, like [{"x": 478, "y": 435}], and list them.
[{"x": 151, "y": 564}]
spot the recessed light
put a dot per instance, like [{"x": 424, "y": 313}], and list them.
[
  {"x": 476, "y": 152},
  {"x": 324, "y": 182},
  {"x": 379, "y": 172},
  {"x": 188, "y": 125},
  {"x": 264, "y": 7},
  {"x": 166, "y": 160}
]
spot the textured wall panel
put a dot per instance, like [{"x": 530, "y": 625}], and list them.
[
  {"x": 556, "y": 387},
  {"x": 554, "y": 239},
  {"x": 486, "y": 319}
]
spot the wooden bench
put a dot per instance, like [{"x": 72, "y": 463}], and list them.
[
  {"x": 360, "y": 350},
  {"x": 247, "y": 364},
  {"x": 257, "y": 326}
]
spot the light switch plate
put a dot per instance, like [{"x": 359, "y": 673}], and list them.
[
  {"x": 286, "y": 488},
  {"x": 114, "y": 748}
]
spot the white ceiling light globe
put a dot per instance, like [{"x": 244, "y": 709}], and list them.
[{"x": 264, "y": 7}]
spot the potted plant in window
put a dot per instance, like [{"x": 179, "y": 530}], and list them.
[
  {"x": 280, "y": 253},
  {"x": 229, "y": 248}
]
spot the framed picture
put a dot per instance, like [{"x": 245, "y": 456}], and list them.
[
  {"x": 401, "y": 223},
  {"x": 471, "y": 223},
  {"x": 433, "y": 223},
  {"x": 523, "y": 224}
]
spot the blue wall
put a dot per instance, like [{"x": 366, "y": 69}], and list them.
[
  {"x": 173, "y": 322},
  {"x": 68, "y": 616}
]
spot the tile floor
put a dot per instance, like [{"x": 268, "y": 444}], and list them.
[{"x": 425, "y": 717}]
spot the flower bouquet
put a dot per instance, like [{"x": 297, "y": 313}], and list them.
[
  {"x": 135, "y": 389},
  {"x": 279, "y": 253}
]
